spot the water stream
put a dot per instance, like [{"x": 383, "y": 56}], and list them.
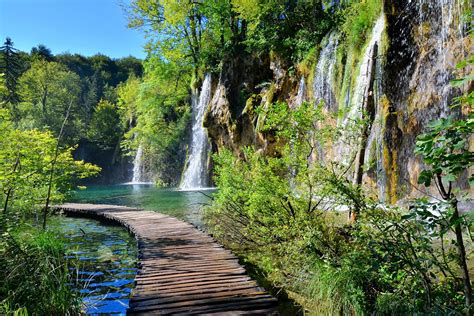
[
  {"x": 441, "y": 28},
  {"x": 362, "y": 82},
  {"x": 195, "y": 175},
  {"x": 301, "y": 93}
]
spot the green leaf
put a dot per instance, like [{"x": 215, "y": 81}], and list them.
[
  {"x": 425, "y": 177},
  {"x": 449, "y": 177},
  {"x": 462, "y": 81}
]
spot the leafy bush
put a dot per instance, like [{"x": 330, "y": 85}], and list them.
[
  {"x": 445, "y": 149},
  {"x": 34, "y": 273},
  {"x": 25, "y": 163},
  {"x": 288, "y": 216}
]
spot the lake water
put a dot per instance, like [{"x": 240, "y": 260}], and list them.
[
  {"x": 107, "y": 253},
  {"x": 185, "y": 205},
  {"x": 106, "y": 262}
]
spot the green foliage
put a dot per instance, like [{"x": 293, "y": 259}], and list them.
[
  {"x": 177, "y": 25},
  {"x": 11, "y": 68},
  {"x": 287, "y": 215},
  {"x": 35, "y": 275},
  {"x": 290, "y": 29},
  {"x": 204, "y": 33},
  {"x": 3, "y": 89},
  {"x": 35, "y": 272},
  {"x": 445, "y": 145},
  {"x": 47, "y": 90},
  {"x": 105, "y": 128},
  {"x": 41, "y": 52},
  {"x": 359, "y": 16},
  {"x": 128, "y": 94},
  {"x": 446, "y": 151},
  {"x": 159, "y": 108},
  {"x": 5, "y": 309},
  {"x": 25, "y": 161},
  {"x": 445, "y": 148}
]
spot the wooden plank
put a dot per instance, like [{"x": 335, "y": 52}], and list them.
[
  {"x": 196, "y": 288},
  {"x": 181, "y": 270}
]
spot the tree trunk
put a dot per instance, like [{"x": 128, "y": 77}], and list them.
[
  {"x": 10, "y": 189},
  {"x": 53, "y": 165},
  {"x": 462, "y": 257}
]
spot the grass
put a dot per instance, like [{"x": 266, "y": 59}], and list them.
[{"x": 35, "y": 274}]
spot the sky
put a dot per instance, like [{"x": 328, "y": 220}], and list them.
[{"x": 86, "y": 27}]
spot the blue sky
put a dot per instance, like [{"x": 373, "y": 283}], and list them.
[{"x": 77, "y": 26}]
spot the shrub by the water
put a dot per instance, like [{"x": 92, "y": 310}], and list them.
[
  {"x": 35, "y": 274},
  {"x": 288, "y": 216},
  {"x": 34, "y": 269}
]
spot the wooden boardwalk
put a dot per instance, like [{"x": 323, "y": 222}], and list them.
[{"x": 181, "y": 270}]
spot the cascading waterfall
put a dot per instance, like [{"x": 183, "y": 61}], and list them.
[
  {"x": 322, "y": 86},
  {"x": 354, "y": 113},
  {"x": 362, "y": 82},
  {"x": 428, "y": 38},
  {"x": 300, "y": 96},
  {"x": 444, "y": 19},
  {"x": 323, "y": 90},
  {"x": 138, "y": 166},
  {"x": 196, "y": 176},
  {"x": 375, "y": 140}
]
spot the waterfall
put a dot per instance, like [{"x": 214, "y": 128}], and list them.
[
  {"x": 375, "y": 142},
  {"x": 195, "y": 176},
  {"x": 300, "y": 95},
  {"x": 323, "y": 89},
  {"x": 138, "y": 166},
  {"x": 362, "y": 82},
  {"x": 322, "y": 86},
  {"x": 440, "y": 41},
  {"x": 344, "y": 147}
]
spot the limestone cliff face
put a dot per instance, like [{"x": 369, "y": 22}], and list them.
[
  {"x": 400, "y": 76},
  {"x": 243, "y": 84},
  {"x": 426, "y": 41}
]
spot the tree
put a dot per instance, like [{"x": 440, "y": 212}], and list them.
[
  {"x": 42, "y": 52},
  {"x": 47, "y": 89},
  {"x": 10, "y": 66},
  {"x": 156, "y": 112},
  {"x": 179, "y": 26},
  {"x": 445, "y": 148},
  {"x": 128, "y": 66},
  {"x": 105, "y": 128},
  {"x": 3, "y": 89},
  {"x": 25, "y": 161}
]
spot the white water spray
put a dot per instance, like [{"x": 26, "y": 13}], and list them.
[
  {"x": 322, "y": 85},
  {"x": 196, "y": 176},
  {"x": 300, "y": 96},
  {"x": 138, "y": 172}
]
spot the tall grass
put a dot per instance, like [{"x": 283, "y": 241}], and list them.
[{"x": 35, "y": 274}]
